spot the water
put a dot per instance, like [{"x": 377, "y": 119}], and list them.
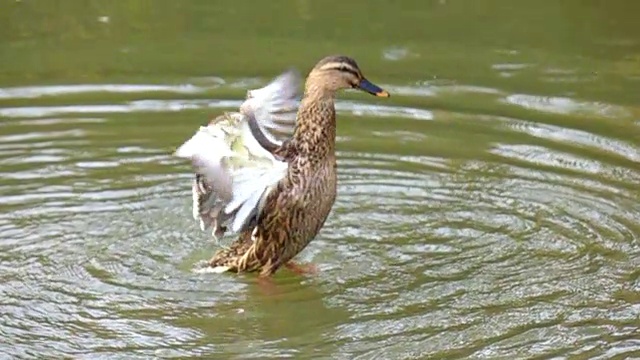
[{"x": 488, "y": 209}]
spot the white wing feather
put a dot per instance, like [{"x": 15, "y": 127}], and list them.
[
  {"x": 275, "y": 106},
  {"x": 234, "y": 173}
]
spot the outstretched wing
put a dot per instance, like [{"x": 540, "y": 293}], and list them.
[
  {"x": 237, "y": 174},
  {"x": 233, "y": 160},
  {"x": 275, "y": 106}
]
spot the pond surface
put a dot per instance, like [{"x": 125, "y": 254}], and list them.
[{"x": 488, "y": 210}]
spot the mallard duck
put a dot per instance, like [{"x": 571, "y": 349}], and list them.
[{"x": 268, "y": 171}]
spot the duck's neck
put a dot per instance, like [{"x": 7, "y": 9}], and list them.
[{"x": 315, "y": 132}]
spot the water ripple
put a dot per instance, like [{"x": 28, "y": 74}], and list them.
[
  {"x": 525, "y": 245},
  {"x": 564, "y": 105},
  {"x": 180, "y": 105}
]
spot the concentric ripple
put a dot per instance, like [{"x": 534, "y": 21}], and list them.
[{"x": 465, "y": 236}]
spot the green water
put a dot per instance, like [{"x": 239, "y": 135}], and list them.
[{"x": 488, "y": 210}]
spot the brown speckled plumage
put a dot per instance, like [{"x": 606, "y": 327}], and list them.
[{"x": 295, "y": 211}]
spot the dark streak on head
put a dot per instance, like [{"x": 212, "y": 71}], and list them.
[{"x": 337, "y": 59}]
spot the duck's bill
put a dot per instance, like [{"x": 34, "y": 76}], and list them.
[{"x": 366, "y": 85}]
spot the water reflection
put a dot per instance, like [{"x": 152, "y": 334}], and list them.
[
  {"x": 561, "y": 105},
  {"x": 31, "y": 92},
  {"x": 521, "y": 243}
]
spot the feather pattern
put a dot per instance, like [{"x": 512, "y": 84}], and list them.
[
  {"x": 275, "y": 106},
  {"x": 234, "y": 171},
  {"x": 268, "y": 171}
]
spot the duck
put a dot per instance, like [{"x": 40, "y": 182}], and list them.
[{"x": 267, "y": 173}]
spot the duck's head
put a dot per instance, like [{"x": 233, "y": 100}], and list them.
[{"x": 338, "y": 72}]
